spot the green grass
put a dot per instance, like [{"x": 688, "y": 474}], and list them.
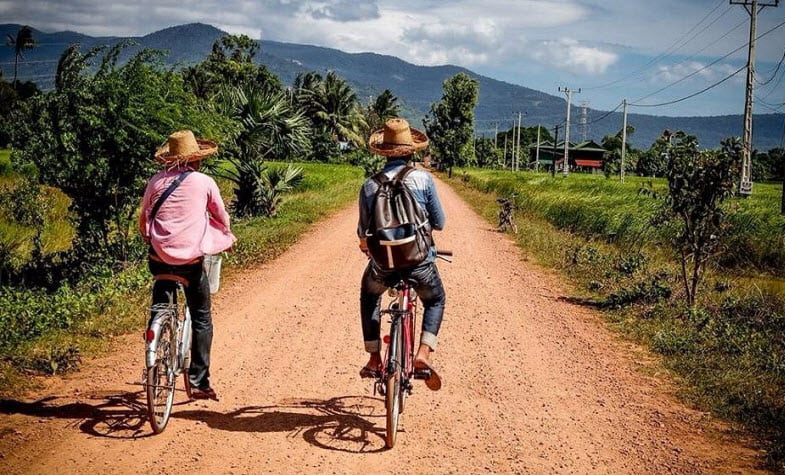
[
  {"x": 5, "y": 163},
  {"x": 49, "y": 332},
  {"x": 728, "y": 355}
]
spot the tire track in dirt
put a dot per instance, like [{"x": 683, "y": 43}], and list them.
[{"x": 532, "y": 384}]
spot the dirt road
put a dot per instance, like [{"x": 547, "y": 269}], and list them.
[{"x": 533, "y": 384}]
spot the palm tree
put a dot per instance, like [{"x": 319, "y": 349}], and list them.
[
  {"x": 268, "y": 129},
  {"x": 22, "y": 41},
  {"x": 383, "y": 108},
  {"x": 331, "y": 105},
  {"x": 340, "y": 111}
]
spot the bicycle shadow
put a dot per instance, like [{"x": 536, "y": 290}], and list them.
[
  {"x": 115, "y": 414},
  {"x": 341, "y": 424}
]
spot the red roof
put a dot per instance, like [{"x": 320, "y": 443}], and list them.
[{"x": 589, "y": 163}]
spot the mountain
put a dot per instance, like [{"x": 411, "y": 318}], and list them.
[{"x": 416, "y": 86}]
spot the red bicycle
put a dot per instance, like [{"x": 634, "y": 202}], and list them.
[{"x": 395, "y": 379}]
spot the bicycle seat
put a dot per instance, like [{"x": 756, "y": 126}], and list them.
[{"x": 172, "y": 277}]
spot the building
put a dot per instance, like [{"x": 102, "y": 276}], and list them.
[{"x": 585, "y": 156}]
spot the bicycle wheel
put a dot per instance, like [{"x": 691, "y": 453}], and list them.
[
  {"x": 514, "y": 227},
  {"x": 161, "y": 380},
  {"x": 393, "y": 389}
]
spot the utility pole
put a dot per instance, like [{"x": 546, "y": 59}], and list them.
[
  {"x": 537, "y": 155},
  {"x": 752, "y": 7},
  {"x": 553, "y": 150},
  {"x": 623, "y": 141},
  {"x": 518, "y": 156},
  {"x": 496, "y": 136},
  {"x": 505, "y": 149},
  {"x": 566, "y": 165}
]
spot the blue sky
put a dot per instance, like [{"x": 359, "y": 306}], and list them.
[{"x": 611, "y": 49}]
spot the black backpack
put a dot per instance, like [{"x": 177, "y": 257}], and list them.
[{"x": 399, "y": 233}]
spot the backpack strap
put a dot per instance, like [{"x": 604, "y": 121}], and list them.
[{"x": 165, "y": 194}]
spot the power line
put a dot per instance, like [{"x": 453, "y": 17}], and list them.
[
  {"x": 606, "y": 114},
  {"x": 669, "y": 50},
  {"x": 776, "y": 70},
  {"x": 634, "y": 103},
  {"x": 695, "y": 94}
]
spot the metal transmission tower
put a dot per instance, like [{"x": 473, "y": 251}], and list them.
[
  {"x": 583, "y": 121},
  {"x": 566, "y": 164},
  {"x": 752, "y": 7}
]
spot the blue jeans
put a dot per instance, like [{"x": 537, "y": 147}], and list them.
[
  {"x": 429, "y": 289},
  {"x": 197, "y": 296}
]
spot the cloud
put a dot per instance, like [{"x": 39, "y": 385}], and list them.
[
  {"x": 678, "y": 71},
  {"x": 345, "y": 10},
  {"x": 570, "y": 55}
]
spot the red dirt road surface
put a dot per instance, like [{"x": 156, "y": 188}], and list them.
[{"x": 532, "y": 384}]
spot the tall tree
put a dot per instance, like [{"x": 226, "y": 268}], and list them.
[
  {"x": 21, "y": 42},
  {"x": 450, "y": 123},
  {"x": 333, "y": 108},
  {"x": 384, "y": 107}
]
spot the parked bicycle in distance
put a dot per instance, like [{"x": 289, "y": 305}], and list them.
[
  {"x": 398, "y": 372},
  {"x": 167, "y": 353},
  {"x": 507, "y": 206}
]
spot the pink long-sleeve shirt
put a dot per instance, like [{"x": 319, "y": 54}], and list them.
[{"x": 191, "y": 222}]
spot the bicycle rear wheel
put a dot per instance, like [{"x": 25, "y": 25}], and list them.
[
  {"x": 393, "y": 389},
  {"x": 161, "y": 380}
]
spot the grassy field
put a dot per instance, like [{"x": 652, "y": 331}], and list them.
[
  {"x": 729, "y": 354},
  {"x": 50, "y": 332}
]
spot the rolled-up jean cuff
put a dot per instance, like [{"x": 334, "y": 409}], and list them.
[
  {"x": 428, "y": 338},
  {"x": 373, "y": 346}
]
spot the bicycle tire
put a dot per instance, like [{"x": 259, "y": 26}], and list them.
[
  {"x": 393, "y": 389},
  {"x": 514, "y": 227},
  {"x": 161, "y": 380}
]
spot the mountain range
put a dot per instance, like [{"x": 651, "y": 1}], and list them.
[{"x": 416, "y": 86}]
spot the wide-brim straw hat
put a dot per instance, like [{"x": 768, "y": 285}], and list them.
[
  {"x": 397, "y": 139},
  {"x": 183, "y": 147}
]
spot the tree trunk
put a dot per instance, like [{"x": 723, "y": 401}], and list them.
[{"x": 16, "y": 67}]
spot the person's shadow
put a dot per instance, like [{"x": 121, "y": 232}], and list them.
[
  {"x": 343, "y": 423},
  {"x": 114, "y": 414}
]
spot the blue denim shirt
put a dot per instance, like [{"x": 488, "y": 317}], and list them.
[{"x": 422, "y": 187}]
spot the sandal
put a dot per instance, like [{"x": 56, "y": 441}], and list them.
[
  {"x": 208, "y": 393},
  {"x": 433, "y": 381},
  {"x": 370, "y": 373}
]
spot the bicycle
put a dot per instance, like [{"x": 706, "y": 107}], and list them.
[
  {"x": 395, "y": 379},
  {"x": 507, "y": 205},
  {"x": 167, "y": 353}
]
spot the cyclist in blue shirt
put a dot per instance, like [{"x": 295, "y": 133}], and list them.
[{"x": 398, "y": 142}]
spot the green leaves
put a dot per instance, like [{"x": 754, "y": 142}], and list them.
[{"x": 450, "y": 123}]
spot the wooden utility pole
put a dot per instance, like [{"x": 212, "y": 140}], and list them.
[
  {"x": 566, "y": 164},
  {"x": 623, "y": 142},
  {"x": 553, "y": 150},
  {"x": 518, "y": 141},
  {"x": 752, "y": 7},
  {"x": 537, "y": 155}
]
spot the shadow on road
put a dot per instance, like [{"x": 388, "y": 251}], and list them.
[
  {"x": 342, "y": 424},
  {"x": 113, "y": 414}
]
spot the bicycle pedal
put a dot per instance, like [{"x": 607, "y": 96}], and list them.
[{"x": 422, "y": 374}]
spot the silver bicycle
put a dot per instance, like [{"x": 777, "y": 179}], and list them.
[{"x": 167, "y": 353}]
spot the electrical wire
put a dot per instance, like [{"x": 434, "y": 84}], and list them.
[
  {"x": 694, "y": 94},
  {"x": 603, "y": 116},
  {"x": 636, "y": 102},
  {"x": 669, "y": 50},
  {"x": 776, "y": 70}
]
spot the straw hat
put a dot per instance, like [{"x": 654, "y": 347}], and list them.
[
  {"x": 183, "y": 147},
  {"x": 397, "y": 139}
]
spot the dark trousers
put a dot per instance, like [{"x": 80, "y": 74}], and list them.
[
  {"x": 429, "y": 289},
  {"x": 197, "y": 296}
]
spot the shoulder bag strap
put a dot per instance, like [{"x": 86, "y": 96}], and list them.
[{"x": 168, "y": 192}]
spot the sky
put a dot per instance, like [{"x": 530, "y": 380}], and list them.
[{"x": 649, "y": 52}]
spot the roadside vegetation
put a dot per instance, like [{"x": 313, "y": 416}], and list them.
[{"x": 727, "y": 349}]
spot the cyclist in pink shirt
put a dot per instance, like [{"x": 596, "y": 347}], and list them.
[{"x": 183, "y": 218}]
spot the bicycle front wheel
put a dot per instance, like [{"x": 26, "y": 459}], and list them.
[
  {"x": 393, "y": 389},
  {"x": 161, "y": 380}
]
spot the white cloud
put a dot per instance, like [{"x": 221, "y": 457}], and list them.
[
  {"x": 695, "y": 69},
  {"x": 570, "y": 55}
]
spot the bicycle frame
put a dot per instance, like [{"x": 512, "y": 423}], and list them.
[
  {"x": 401, "y": 320},
  {"x": 181, "y": 334}
]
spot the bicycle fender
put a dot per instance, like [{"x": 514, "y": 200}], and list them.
[{"x": 152, "y": 346}]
